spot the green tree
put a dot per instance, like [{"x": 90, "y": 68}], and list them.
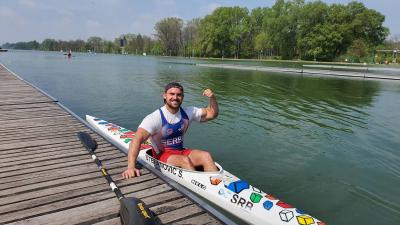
[
  {"x": 368, "y": 25},
  {"x": 95, "y": 44},
  {"x": 48, "y": 45},
  {"x": 169, "y": 31},
  {"x": 223, "y": 32},
  {"x": 281, "y": 24},
  {"x": 191, "y": 38},
  {"x": 262, "y": 44}
]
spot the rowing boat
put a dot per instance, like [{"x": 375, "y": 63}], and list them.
[{"x": 222, "y": 188}]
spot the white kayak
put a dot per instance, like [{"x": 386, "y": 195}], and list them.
[{"x": 232, "y": 194}]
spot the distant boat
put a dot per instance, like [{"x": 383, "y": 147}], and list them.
[{"x": 3, "y": 50}]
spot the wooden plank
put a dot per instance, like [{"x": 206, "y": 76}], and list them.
[
  {"x": 39, "y": 176},
  {"x": 21, "y": 116},
  {"x": 42, "y": 133},
  {"x": 50, "y": 158},
  {"x": 112, "y": 221},
  {"x": 87, "y": 213},
  {"x": 95, "y": 186},
  {"x": 18, "y": 107},
  {"x": 143, "y": 189},
  {"x": 48, "y": 148},
  {"x": 26, "y": 157},
  {"x": 15, "y": 95},
  {"x": 201, "y": 219},
  {"x": 49, "y": 175},
  {"x": 58, "y": 163},
  {"x": 50, "y": 108},
  {"x": 33, "y": 108},
  {"x": 34, "y": 149},
  {"x": 39, "y": 142},
  {"x": 29, "y": 122},
  {"x": 179, "y": 214},
  {"x": 25, "y": 101},
  {"x": 6, "y": 200}
]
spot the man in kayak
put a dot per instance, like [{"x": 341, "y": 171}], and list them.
[{"x": 165, "y": 128}]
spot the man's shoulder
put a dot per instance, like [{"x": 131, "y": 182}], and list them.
[
  {"x": 151, "y": 122},
  {"x": 154, "y": 115},
  {"x": 193, "y": 112}
]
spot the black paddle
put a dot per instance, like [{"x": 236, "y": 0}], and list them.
[{"x": 133, "y": 211}]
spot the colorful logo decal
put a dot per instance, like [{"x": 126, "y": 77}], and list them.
[
  {"x": 255, "y": 197},
  {"x": 127, "y": 136},
  {"x": 215, "y": 180},
  {"x": 320, "y": 223},
  {"x": 113, "y": 129},
  {"x": 238, "y": 186},
  {"x": 284, "y": 205},
  {"x": 286, "y": 215},
  {"x": 169, "y": 131},
  {"x": 128, "y": 140},
  {"x": 123, "y": 130},
  {"x": 270, "y": 197},
  {"x": 299, "y": 211},
  {"x": 305, "y": 220},
  {"x": 268, "y": 205}
]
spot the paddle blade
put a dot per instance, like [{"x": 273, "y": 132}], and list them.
[
  {"x": 133, "y": 211},
  {"x": 87, "y": 141}
]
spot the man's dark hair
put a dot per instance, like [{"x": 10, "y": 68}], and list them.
[{"x": 173, "y": 85}]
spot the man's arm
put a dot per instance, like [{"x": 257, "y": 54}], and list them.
[
  {"x": 141, "y": 135},
  {"x": 211, "y": 111}
]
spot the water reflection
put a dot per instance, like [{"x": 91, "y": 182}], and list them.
[{"x": 274, "y": 101}]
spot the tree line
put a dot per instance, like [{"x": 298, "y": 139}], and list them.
[{"x": 291, "y": 29}]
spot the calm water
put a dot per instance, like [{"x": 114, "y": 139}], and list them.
[{"x": 329, "y": 146}]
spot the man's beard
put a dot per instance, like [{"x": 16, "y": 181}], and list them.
[{"x": 173, "y": 106}]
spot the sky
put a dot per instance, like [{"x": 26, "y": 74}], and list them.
[{"x": 27, "y": 20}]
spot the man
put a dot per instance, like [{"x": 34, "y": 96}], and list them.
[{"x": 165, "y": 128}]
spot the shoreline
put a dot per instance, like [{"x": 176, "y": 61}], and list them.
[{"x": 293, "y": 61}]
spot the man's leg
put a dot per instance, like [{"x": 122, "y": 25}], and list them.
[
  {"x": 182, "y": 161},
  {"x": 202, "y": 158}
]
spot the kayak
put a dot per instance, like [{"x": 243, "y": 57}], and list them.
[{"x": 222, "y": 188}]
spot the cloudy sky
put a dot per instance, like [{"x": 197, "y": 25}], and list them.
[{"x": 26, "y": 20}]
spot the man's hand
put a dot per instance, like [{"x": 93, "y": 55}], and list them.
[
  {"x": 208, "y": 93},
  {"x": 130, "y": 172}
]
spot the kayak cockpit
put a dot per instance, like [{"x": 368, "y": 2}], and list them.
[{"x": 149, "y": 152}]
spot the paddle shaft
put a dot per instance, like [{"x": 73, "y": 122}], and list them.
[{"x": 110, "y": 181}]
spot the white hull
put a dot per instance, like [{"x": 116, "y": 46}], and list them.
[{"x": 221, "y": 188}]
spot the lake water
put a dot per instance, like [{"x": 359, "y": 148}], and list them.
[{"x": 327, "y": 145}]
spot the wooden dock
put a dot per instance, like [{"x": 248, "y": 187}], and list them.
[{"x": 47, "y": 177}]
